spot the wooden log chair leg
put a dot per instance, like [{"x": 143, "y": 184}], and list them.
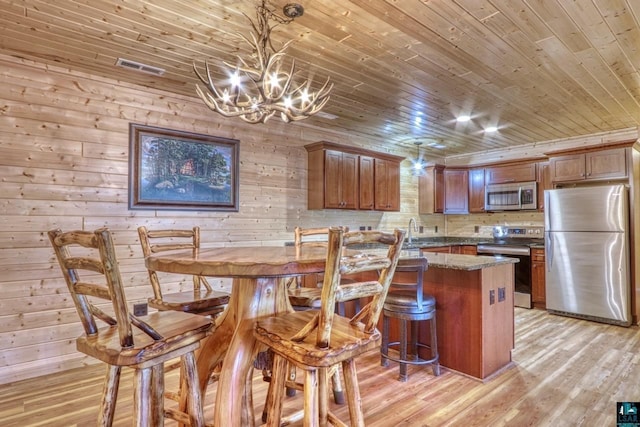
[
  {"x": 311, "y": 406},
  {"x": 338, "y": 394},
  {"x": 157, "y": 394},
  {"x": 323, "y": 401},
  {"x": 275, "y": 394},
  {"x": 192, "y": 385},
  {"x": 142, "y": 402},
  {"x": 109, "y": 396},
  {"x": 354, "y": 400}
]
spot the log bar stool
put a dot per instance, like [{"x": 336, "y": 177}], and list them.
[
  {"x": 316, "y": 340},
  {"x": 158, "y": 337},
  {"x": 198, "y": 301},
  {"x": 407, "y": 302}
]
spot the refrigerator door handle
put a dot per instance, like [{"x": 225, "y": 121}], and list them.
[{"x": 548, "y": 251}]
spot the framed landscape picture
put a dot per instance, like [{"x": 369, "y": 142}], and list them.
[{"x": 170, "y": 169}]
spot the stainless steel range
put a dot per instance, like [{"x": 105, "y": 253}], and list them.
[{"x": 516, "y": 242}]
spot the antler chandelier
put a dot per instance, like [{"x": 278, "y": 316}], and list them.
[{"x": 261, "y": 87}]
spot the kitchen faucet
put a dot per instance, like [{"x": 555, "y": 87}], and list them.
[{"x": 415, "y": 228}]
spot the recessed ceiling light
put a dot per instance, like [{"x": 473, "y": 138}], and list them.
[
  {"x": 490, "y": 129},
  {"x": 463, "y": 118}
]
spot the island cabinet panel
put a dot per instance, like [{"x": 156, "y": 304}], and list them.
[
  {"x": 456, "y": 191},
  {"x": 521, "y": 172},
  {"x": 593, "y": 165},
  {"x": 387, "y": 185},
  {"x": 475, "y": 318},
  {"x": 431, "y": 190}
]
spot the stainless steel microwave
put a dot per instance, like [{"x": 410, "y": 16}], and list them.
[{"x": 511, "y": 197}]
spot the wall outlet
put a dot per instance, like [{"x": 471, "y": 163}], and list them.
[
  {"x": 362, "y": 228},
  {"x": 492, "y": 296},
  {"x": 502, "y": 294},
  {"x": 140, "y": 309},
  {"x": 476, "y": 228},
  {"x": 435, "y": 228},
  {"x": 369, "y": 227},
  {"x": 421, "y": 228}
]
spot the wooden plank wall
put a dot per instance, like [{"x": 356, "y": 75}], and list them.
[{"x": 64, "y": 163}]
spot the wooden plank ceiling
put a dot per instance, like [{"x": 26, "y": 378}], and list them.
[{"x": 403, "y": 69}]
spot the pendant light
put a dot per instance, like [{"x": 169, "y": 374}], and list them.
[{"x": 418, "y": 164}]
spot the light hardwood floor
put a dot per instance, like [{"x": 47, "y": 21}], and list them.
[{"x": 567, "y": 372}]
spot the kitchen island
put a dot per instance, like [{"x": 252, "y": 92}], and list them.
[{"x": 475, "y": 311}]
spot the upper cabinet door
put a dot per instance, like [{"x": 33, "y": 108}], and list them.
[
  {"x": 606, "y": 164},
  {"x": 349, "y": 181},
  {"x": 567, "y": 168},
  {"x": 431, "y": 190},
  {"x": 521, "y": 172},
  {"x": 366, "y": 183},
  {"x": 456, "y": 191},
  {"x": 476, "y": 190},
  {"x": 387, "y": 185}
]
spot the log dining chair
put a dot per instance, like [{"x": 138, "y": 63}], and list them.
[
  {"x": 89, "y": 265},
  {"x": 202, "y": 299},
  {"x": 316, "y": 340},
  {"x": 307, "y": 297}
]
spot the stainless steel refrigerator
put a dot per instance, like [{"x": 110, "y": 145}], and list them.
[{"x": 587, "y": 253}]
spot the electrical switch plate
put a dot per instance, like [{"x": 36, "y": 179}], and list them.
[
  {"x": 140, "y": 309},
  {"x": 363, "y": 228},
  {"x": 492, "y": 296},
  {"x": 501, "y": 294}
]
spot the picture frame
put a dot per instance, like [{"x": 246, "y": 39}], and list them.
[{"x": 171, "y": 169}]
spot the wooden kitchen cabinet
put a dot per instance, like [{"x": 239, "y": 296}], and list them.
[
  {"x": 367, "y": 183},
  {"x": 344, "y": 177},
  {"x": 340, "y": 175},
  {"x": 520, "y": 172},
  {"x": 387, "y": 185},
  {"x": 431, "y": 190},
  {"x": 538, "y": 292},
  {"x": 476, "y": 190},
  {"x": 591, "y": 165},
  {"x": 456, "y": 191}
]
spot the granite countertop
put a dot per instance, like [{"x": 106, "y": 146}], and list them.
[
  {"x": 465, "y": 262},
  {"x": 449, "y": 261}
]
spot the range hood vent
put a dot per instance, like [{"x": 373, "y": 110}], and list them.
[{"x": 143, "y": 68}]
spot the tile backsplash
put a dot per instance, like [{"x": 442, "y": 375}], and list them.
[{"x": 481, "y": 225}]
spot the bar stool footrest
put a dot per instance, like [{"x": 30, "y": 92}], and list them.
[{"x": 418, "y": 361}]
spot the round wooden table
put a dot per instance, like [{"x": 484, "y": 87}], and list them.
[{"x": 259, "y": 276}]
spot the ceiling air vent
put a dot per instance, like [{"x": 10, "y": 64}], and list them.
[{"x": 143, "y": 68}]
